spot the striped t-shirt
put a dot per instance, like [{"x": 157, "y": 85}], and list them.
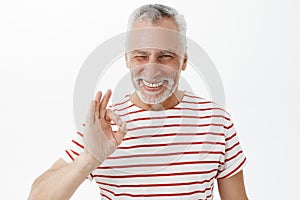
[{"x": 171, "y": 154}]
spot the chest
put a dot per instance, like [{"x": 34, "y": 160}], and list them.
[{"x": 163, "y": 154}]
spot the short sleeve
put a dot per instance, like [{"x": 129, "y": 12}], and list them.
[
  {"x": 234, "y": 159},
  {"x": 75, "y": 148}
]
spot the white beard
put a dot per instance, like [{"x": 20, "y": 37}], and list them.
[{"x": 153, "y": 98}]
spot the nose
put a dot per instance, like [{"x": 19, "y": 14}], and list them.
[
  {"x": 152, "y": 58},
  {"x": 152, "y": 71}
]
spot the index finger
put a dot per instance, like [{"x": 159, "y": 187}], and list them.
[{"x": 104, "y": 103}]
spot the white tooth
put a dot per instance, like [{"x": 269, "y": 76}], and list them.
[{"x": 153, "y": 84}]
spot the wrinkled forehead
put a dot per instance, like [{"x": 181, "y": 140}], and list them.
[{"x": 156, "y": 38}]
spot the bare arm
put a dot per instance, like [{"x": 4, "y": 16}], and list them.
[
  {"x": 62, "y": 179},
  {"x": 232, "y": 188}
]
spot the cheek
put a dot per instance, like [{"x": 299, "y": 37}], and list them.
[
  {"x": 173, "y": 70},
  {"x": 137, "y": 61},
  {"x": 132, "y": 65},
  {"x": 174, "y": 64},
  {"x": 135, "y": 70}
]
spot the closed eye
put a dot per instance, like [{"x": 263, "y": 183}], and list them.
[{"x": 166, "y": 56}]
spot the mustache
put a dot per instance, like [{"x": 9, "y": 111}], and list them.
[
  {"x": 170, "y": 82},
  {"x": 156, "y": 79}
]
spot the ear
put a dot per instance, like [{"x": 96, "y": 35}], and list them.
[{"x": 183, "y": 67}]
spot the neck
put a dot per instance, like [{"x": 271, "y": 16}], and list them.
[{"x": 170, "y": 102}]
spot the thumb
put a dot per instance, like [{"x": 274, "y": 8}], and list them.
[
  {"x": 122, "y": 131},
  {"x": 120, "y": 134}
]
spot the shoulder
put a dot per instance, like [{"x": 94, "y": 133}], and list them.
[
  {"x": 213, "y": 112},
  {"x": 196, "y": 99}
]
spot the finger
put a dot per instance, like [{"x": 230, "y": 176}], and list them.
[
  {"x": 98, "y": 100},
  {"x": 98, "y": 96},
  {"x": 104, "y": 103},
  {"x": 90, "y": 114},
  {"x": 110, "y": 115},
  {"x": 122, "y": 130},
  {"x": 120, "y": 134}
]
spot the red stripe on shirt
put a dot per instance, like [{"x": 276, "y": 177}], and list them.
[
  {"x": 165, "y": 164},
  {"x": 193, "y": 109},
  {"x": 177, "y": 116},
  {"x": 174, "y": 134},
  {"x": 234, "y": 169},
  {"x": 230, "y": 148},
  {"x": 158, "y": 184},
  {"x": 77, "y": 154},
  {"x": 69, "y": 155},
  {"x": 232, "y": 157},
  {"x": 153, "y": 175},
  {"x": 167, "y": 144},
  {"x": 166, "y": 154},
  {"x": 79, "y": 133},
  {"x": 173, "y": 117},
  {"x": 194, "y": 97},
  {"x": 174, "y": 125},
  {"x": 229, "y": 138},
  {"x": 157, "y": 195},
  {"x": 123, "y": 108},
  {"x": 208, "y": 196},
  {"x": 103, "y": 195},
  {"x": 228, "y": 127},
  {"x": 117, "y": 104},
  {"x": 78, "y": 144},
  {"x": 192, "y": 102}
]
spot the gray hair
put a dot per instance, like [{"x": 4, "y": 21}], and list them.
[{"x": 154, "y": 13}]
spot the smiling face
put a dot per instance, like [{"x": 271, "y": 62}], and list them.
[
  {"x": 155, "y": 74},
  {"x": 155, "y": 71}
]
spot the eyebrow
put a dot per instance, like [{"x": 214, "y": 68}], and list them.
[
  {"x": 137, "y": 51},
  {"x": 167, "y": 52},
  {"x": 140, "y": 52}
]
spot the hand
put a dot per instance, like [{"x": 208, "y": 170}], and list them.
[{"x": 98, "y": 138}]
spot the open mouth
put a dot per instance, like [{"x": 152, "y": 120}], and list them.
[{"x": 153, "y": 87}]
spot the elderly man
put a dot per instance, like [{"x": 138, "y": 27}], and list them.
[{"x": 158, "y": 142}]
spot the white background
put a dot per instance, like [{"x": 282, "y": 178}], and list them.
[{"x": 254, "y": 44}]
